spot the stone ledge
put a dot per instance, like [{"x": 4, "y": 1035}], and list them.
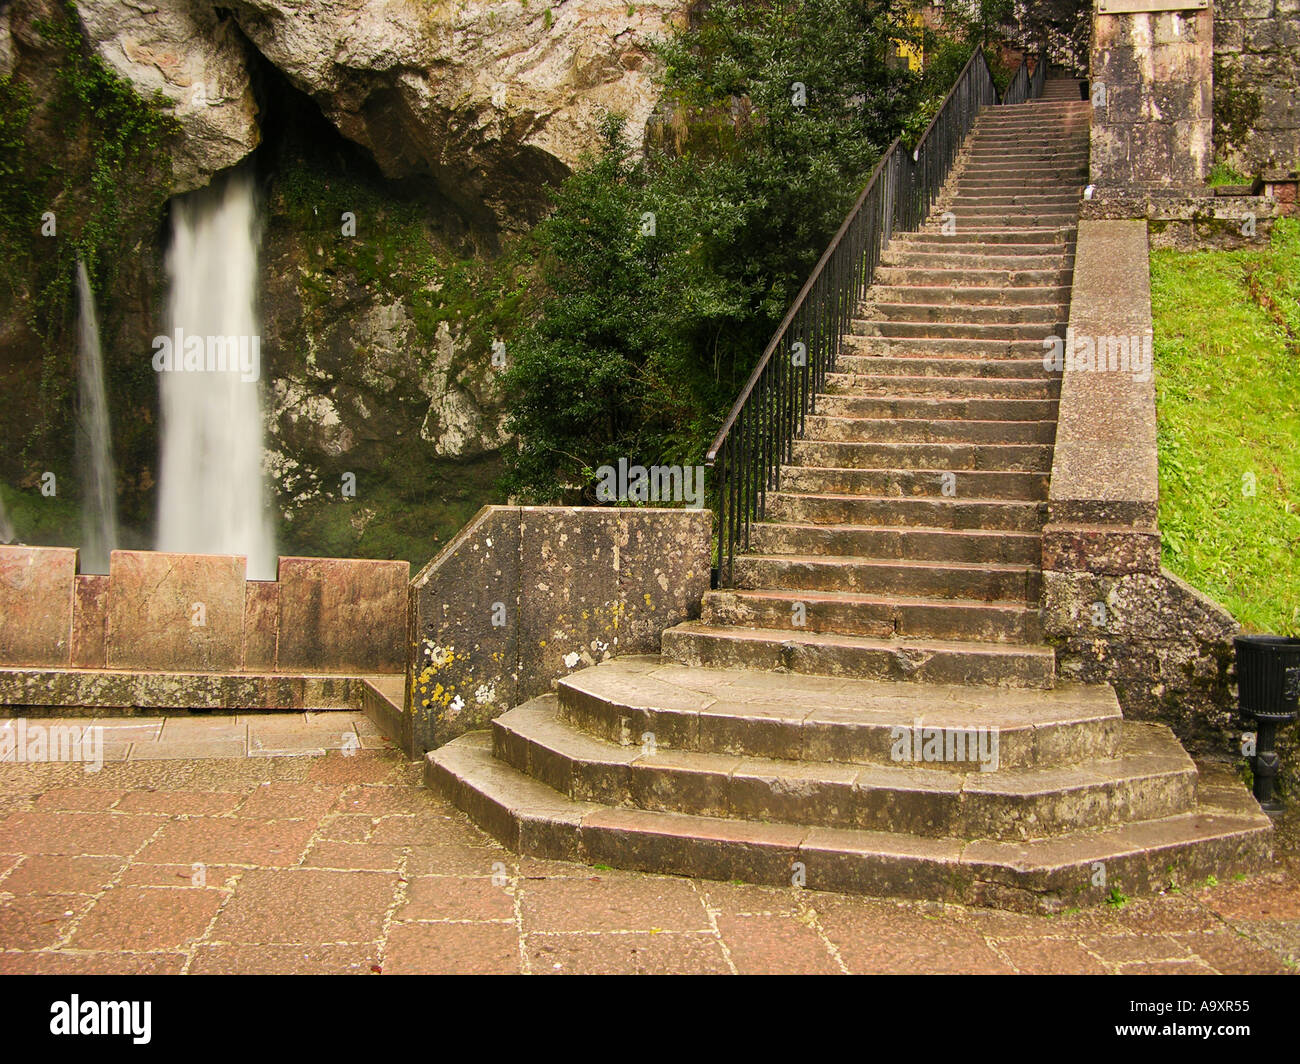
[
  {"x": 99, "y": 689},
  {"x": 1103, "y": 496}
]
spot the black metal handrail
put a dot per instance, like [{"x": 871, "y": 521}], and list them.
[
  {"x": 758, "y": 434},
  {"x": 1026, "y": 86}
]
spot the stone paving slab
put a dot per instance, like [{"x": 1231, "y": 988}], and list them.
[{"x": 339, "y": 862}]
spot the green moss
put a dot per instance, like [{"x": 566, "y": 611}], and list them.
[
  {"x": 38, "y": 520},
  {"x": 102, "y": 177}
]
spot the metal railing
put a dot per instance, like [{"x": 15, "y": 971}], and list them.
[
  {"x": 1026, "y": 86},
  {"x": 758, "y": 434}
]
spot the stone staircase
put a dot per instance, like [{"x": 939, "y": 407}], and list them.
[{"x": 889, "y": 600}]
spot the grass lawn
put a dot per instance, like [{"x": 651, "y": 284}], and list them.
[{"x": 1227, "y": 359}]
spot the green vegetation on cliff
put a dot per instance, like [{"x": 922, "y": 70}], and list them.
[
  {"x": 84, "y": 170},
  {"x": 666, "y": 273},
  {"x": 1227, "y": 357}
]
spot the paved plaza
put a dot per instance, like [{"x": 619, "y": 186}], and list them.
[{"x": 285, "y": 843}]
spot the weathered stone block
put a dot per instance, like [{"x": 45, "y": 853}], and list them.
[
  {"x": 464, "y": 630},
  {"x": 261, "y": 625},
  {"x": 571, "y": 606},
  {"x": 172, "y": 612},
  {"x": 342, "y": 615},
  {"x": 36, "y": 602},
  {"x": 1098, "y": 549},
  {"x": 666, "y": 573},
  {"x": 90, "y": 622},
  {"x": 569, "y": 586}
]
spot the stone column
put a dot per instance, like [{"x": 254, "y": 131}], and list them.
[{"x": 1153, "y": 94}]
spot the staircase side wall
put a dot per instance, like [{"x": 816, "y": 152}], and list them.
[
  {"x": 527, "y": 594},
  {"x": 1112, "y": 612}
]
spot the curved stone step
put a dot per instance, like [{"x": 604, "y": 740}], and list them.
[
  {"x": 1151, "y": 777},
  {"x": 793, "y": 717},
  {"x": 824, "y": 654},
  {"x": 1222, "y": 835}
]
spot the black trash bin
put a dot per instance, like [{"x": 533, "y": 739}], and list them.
[{"x": 1268, "y": 690}]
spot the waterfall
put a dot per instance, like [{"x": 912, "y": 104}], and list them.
[
  {"x": 212, "y": 493},
  {"x": 94, "y": 445},
  {"x": 7, "y": 534}
]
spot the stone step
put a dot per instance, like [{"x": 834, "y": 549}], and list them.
[
  {"x": 998, "y": 365},
  {"x": 922, "y": 430},
  {"x": 976, "y": 184},
  {"x": 1224, "y": 834},
  {"x": 966, "y": 313},
  {"x": 1044, "y": 173},
  {"x": 1002, "y": 457},
  {"x": 821, "y": 654},
  {"x": 916, "y": 482},
  {"x": 966, "y": 215},
  {"x": 1001, "y": 241},
  {"x": 1027, "y": 134},
  {"x": 793, "y": 717},
  {"x": 944, "y": 387},
  {"x": 919, "y": 256},
  {"x": 918, "y": 293},
  {"x": 870, "y": 406},
  {"x": 892, "y": 541},
  {"x": 1032, "y": 127},
  {"x": 992, "y": 331},
  {"x": 1151, "y": 777},
  {"x": 981, "y": 582},
  {"x": 1072, "y": 152},
  {"x": 969, "y": 280},
  {"x": 963, "y": 349},
  {"x": 1013, "y": 146},
  {"x": 945, "y": 512},
  {"x": 880, "y": 617}
]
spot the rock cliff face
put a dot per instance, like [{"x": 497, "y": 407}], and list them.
[
  {"x": 436, "y": 123},
  {"x": 489, "y": 99}
]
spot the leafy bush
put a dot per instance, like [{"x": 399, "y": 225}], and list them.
[{"x": 666, "y": 274}]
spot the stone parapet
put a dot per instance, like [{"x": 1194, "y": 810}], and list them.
[
  {"x": 1112, "y": 612},
  {"x": 524, "y": 595},
  {"x": 162, "y": 612}
]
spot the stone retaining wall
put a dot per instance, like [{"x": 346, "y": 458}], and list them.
[
  {"x": 527, "y": 594},
  {"x": 163, "y": 612},
  {"x": 1257, "y": 83},
  {"x": 1113, "y": 613}
]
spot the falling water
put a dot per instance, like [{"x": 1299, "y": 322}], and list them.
[
  {"x": 6, "y": 529},
  {"x": 212, "y": 495},
  {"x": 94, "y": 446}
]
